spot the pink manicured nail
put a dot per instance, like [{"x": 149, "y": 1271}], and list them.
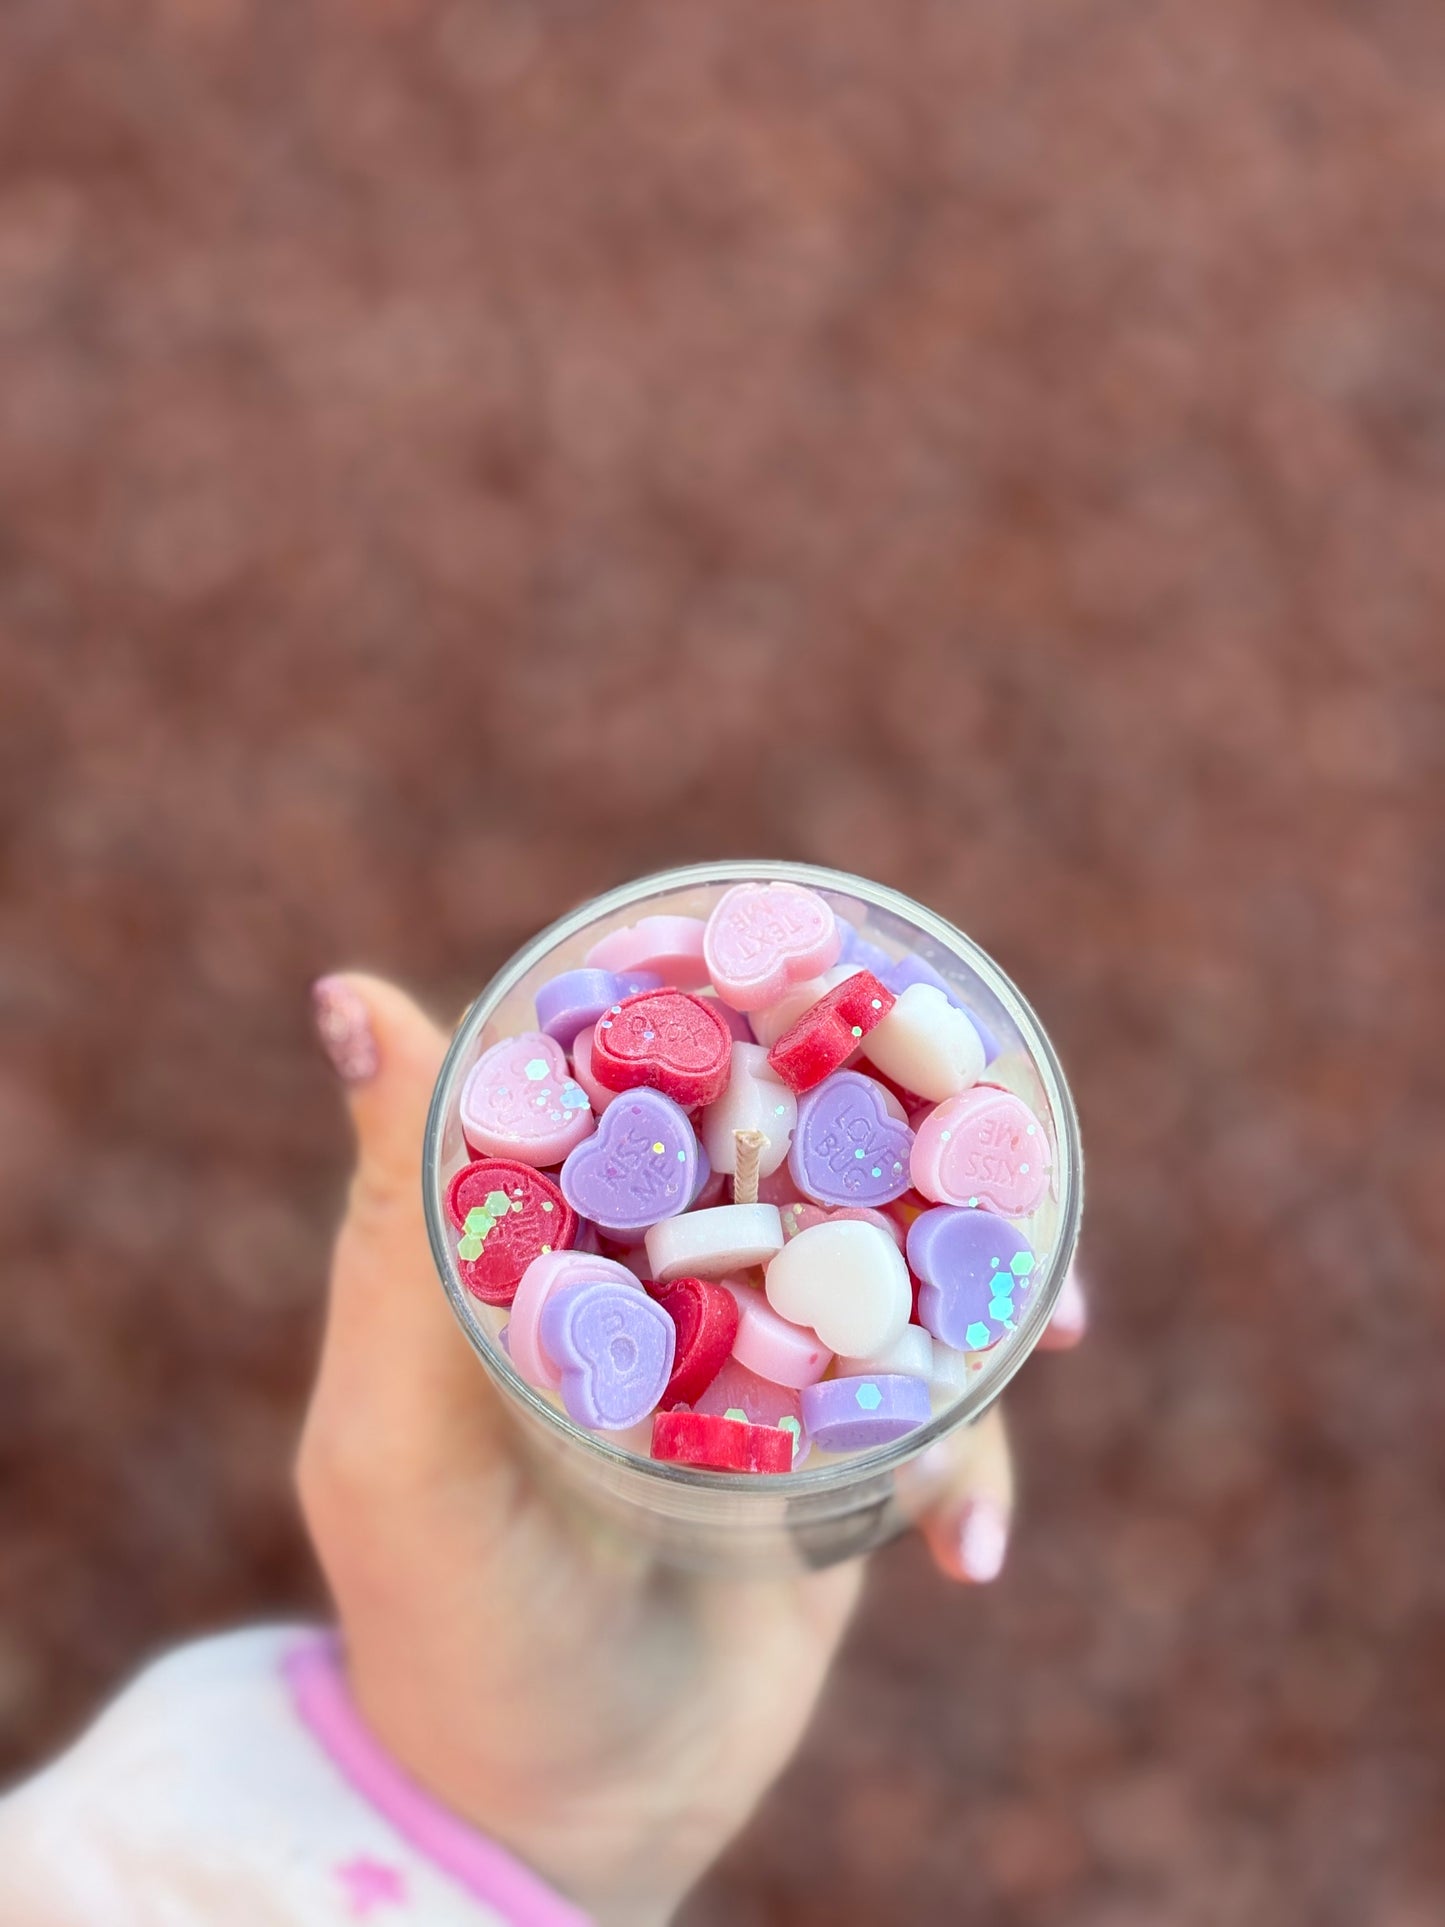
[
  {"x": 982, "y": 1542},
  {"x": 1070, "y": 1314},
  {"x": 343, "y": 1024}
]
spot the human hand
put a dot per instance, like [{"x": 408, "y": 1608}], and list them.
[{"x": 609, "y": 1719}]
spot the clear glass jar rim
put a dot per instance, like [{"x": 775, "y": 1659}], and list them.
[{"x": 1069, "y": 1171}]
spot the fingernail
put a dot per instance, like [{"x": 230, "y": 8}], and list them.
[
  {"x": 982, "y": 1542},
  {"x": 343, "y": 1024},
  {"x": 1070, "y": 1314}
]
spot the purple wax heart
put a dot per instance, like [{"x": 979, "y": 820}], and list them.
[
  {"x": 911, "y": 969},
  {"x": 575, "y": 1000},
  {"x": 867, "y": 956},
  {"x": 850, "y": 1414},
  {"x": 613, "y": 1348},
  {"x": 846, "y": 1148},
  {"x": 641, "y": 1164},
  {"x": 976, "y": 1269}
]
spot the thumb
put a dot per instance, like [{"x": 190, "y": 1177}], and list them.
[{"x": 395, "y": 1368}]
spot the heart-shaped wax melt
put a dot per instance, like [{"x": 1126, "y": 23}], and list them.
[
  {"x": 911, "y": 969},
  {"x": 575, "y": 1000},
  {"x": 761, "y": 937},
  {"x": 910, "y": 1356},
  {"x": 543, "y": 1278},
  {"x": 829, "y": 1031},
  {"x": 756, "y": 1099},
  {"x": 927, "y": 1045},
  {"x": 508, "y": 1214},
  {"x": 983, "y": 1147},
  {"x": 717, "y": 1444},
  {"x": 705, "y": 1315},
  {"x": 848, "y": 1282},
  {"x": 772, "y": 1346},
  {"x": 770, "y": 1024},
  {"x": 669, "y": 946},
  {"x": 668, "y": 1040},
  {"x": 612, "y": 1348},
  {"x": 761, "y": 1401},
  {"x": 847, "y": 1149},
  {"x": 975, "y": 1268},
  {"x": 519, "y": 1101},
  {"x": 639, "y": 1166},
  {"x": 852, "y": 1414},
  {"x": 708, "y": 1244}
]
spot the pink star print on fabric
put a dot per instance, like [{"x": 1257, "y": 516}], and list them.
[{"x": 368, "y": 1884}]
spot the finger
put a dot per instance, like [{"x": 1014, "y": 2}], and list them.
[
  {"x": 394, "y": 1361},
  {"x": 1069, "y": 1319},
  {"x": 963, "y": 1498}
]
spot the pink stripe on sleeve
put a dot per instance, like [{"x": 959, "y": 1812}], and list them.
[{"x": 323, "y": 1703}]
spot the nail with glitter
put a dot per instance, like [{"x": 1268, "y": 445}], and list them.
[
  {"x": 982, "y": 1542},
  {"x": 343, "y": 1024}
]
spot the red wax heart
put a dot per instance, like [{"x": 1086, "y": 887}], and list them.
[
  {"x": 706, "y": 1316},
  {"x": 667, "y": 1039},
  {"x": 828, "y": 1032},
  {"x": 720, "y": 1444},
  {"x": 537, "y": 1219}
]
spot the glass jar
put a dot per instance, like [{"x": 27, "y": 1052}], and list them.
[{"x": 820, "y": 1513}]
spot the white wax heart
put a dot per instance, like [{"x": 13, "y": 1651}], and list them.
[
  {"x": 756, "y": 1099},
  {"x": 848, "y": 1281},
  {"x": 910, "y": 1356},
  {"x": 709, "y": 1244},
  {"x": 927, "y": 1045}
]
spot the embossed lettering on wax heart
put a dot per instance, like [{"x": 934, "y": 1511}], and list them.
[
  {"x": 847, "y": 1149},
  {"x": 508, "y": 1214},
  {"x": 761, "y": 937},
  {"x": 639, "y": 1167},
  {"x": 613, "y": 1350},
  {"x": 983, "y": 1147},
  {"x": 519, "y": 1101},
  {"x": 666, "y": 1039}
]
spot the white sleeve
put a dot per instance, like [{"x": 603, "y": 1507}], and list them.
[{"x": 234, "y": 1785}]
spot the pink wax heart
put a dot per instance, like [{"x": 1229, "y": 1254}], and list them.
[
  {"x": 519, "y": 1101},
  {"x": 761, "y": 937},
  {"x": 984, "y": 1147}
]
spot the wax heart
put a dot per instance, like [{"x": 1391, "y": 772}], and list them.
[
  {"x": 911, "y": 969},
  {"x": 575, "y": 1000},
  {"x": 705, "y": 1316},
  {"x": 598, "y": 1095},
  {"x": 612, "y": 1348},
  {"x": 756, "y": 1099},
  {"x": 729, "y": 1237},
  {"x": 927, "y": 1045},
  {"x": 640, "y": 1164},
  {"x": 802, "y": 1217},
  {"x": 975, "y": 1269},
  {"x": 853, "y": 1414},
  {"x": 983, "y": 1147},
  {"x": 761, "y": 1402},
  {"x": 846, "y": 1148},
  {"x": 717, "y": 1444},
  {"x": 773, "y": 1346},
  {"x": 954, "y": 1373},
  {"x": 670, "y": 946},
  {"x": 520, "y": 1102},
  {"x": 848, "y": 1282},
  {"x": 668, "y": 1040},
  {"x": 827, "y": 1034},
  {"x": 910, "y": 1356},
  {"x": 542, "y": 1279},
  {"x": 761, "y": 937},
  {"x": 508, "y": 1214},
  {"x": 857, "y": 950},
  {"x": 771, "y": 1023}
]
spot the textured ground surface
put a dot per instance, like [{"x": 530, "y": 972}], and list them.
[{"x": 454, "y": 457}]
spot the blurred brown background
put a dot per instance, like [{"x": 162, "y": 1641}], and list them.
[{"x": 454, "y": 457}]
